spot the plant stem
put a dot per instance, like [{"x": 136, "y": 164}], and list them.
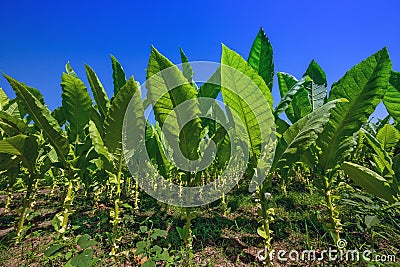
[
  {"x": 224, "y": 204},
  {"x": 334, "y": 227},
  {"x": 265, "y": 223},
  {"x": 136, "y": 206},
  {"x": 8, "y": 202},
  {"x": 187, "y": 234},
  {"x": 67, "y": 205},
  {"x": 117, "y": 202},
  {"x": 25, "y": 207}
]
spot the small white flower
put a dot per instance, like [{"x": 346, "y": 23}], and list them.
[{"x": 267, "y": 195}]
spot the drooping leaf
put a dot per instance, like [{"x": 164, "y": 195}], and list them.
[
  {"x": 392, "y": 96},
  {"x": 25, "y": 147},
  {"x": 261, "y": 58},
  {"x": 301, "y": 104},
  {"x": 167, "y": 88},
  {"x": 363, "y": 86},
  {"x": 97, "y": 141},
  {"x": 12, "y": 125},
  {"x": 119, "y": 78},
  {"x": 285, "y": 82},
  {"x": 317, "y": 88},
  {"x": 381, "y": 157},
  {"x": 98, "y": 121},
  {"x": 155, "y": 149},
  {"x": 42, "y": 117},
  {"x": 76, "y": 104},
  {"x": 99, "y": 94},
  {"x": 370, "y": 181},
  {"x": 299, "y": 136},
  {"x": 290, "y": 94},
  {"x": 69, "y": 70}
]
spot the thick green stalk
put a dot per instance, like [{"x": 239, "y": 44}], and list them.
[
  {"x": 8, "y": 202},
  {"x": 187, "y": 236},
  {"x": 224, "y": 204},
  {"x": 334, "y": 221},
  {"x": 25, "y": 207},
  {"x": 265, "y": 223},
  {"x": 68, "y": 201},
  {"x": 137, "y": 199},
  {"x": 117, "y": 202}
]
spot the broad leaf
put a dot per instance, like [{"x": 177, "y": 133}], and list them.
[
  {"x": 285, "y": 82},
  {"x": 154, "y": 146},
  {"x": 3, "y": 99},
  {"x": 381, "y": 157},
  {"x": 370, "y": 181},
  {"x": 76, "y": 105},
  {"x": 238, "y": 93},
  {"x": 25, "y": 147},
  {"x": 119, "y": 78},
  {"x": 299, "y": 136},
  {"x": 12, "y": 125},
  {"x": 290, "y": 94},
  {"x": 42, "y": 117},
  {"x": 186, "y": 68},
  {"x": 388, "y": 136},
  {"x": 392, "y": 96},
  {"x": 97, "y": 141},
  {"x": 363, "y": 86},
  {"x": 166, "y": 90},
  {"x": 261, "y": 58},
  {"x": 115, "y": 116},
  {"x": 317, "y": 88},
  {"x": 99, "y": 94}
]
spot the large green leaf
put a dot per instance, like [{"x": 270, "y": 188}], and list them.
[
  {"x": 381, "y": 157},
  {"x": 186, "y": 68},
  {"x": 301, "y": 104},
  {"x": 235, "y": 76},
  {"x": 290, "y": 94},
  {"x": 212, "y": 87},
  {"x": 99, "y": 94},
  {"x": 294, "y": 97},
  {"x": 76, "y": 104},
  {"x": 261, "y": 58},
  {"x": 97, "y": 141},
  {"x": 25, "y": 147},
  {"x": 363, "y": 86},
  {"x": 388, "y": 136},
  {"x": 3, "y": 99},
  {"x": 317, "y": 88},
  {"x": 12, "y": 125},
  {"x": 286, "y": 82},
  {"x": 370, "y": 181},
  {"x": 299, "y": 136},
  {"x": 392, "y": 96},
  {"x": 167, "y": 88},
  {"x": 154, "y": 147},
  {"x": 115, "y": 117},
  {"x": 42, "y": 117},
  {"x": 119, "y": 78}
]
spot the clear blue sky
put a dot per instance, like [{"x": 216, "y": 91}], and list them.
[{"x": 39, "y": 37}]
